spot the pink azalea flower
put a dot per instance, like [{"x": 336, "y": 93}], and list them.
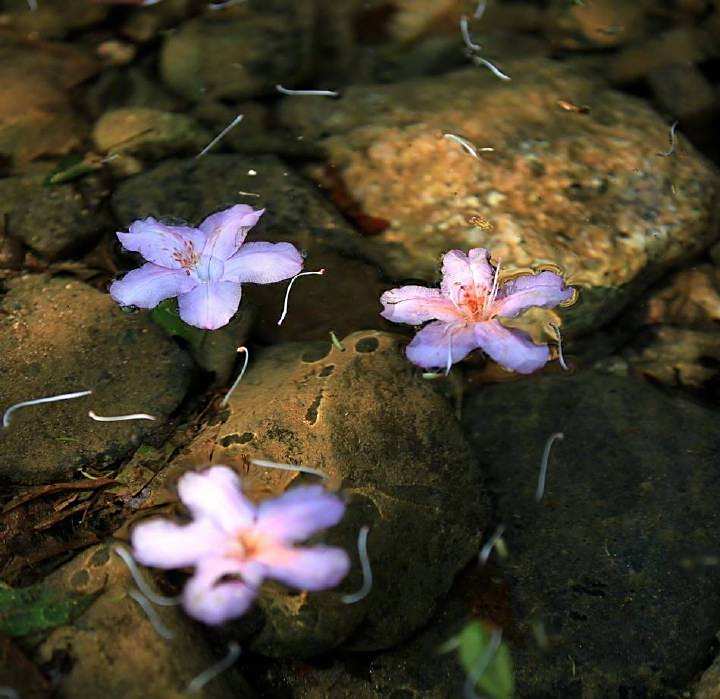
[
  {"x": 234, "y": 544},
  {"x": 204, "y": 267},
  {"x": 465, "y": 309}
]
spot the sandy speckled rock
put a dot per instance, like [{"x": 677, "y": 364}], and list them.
[
  {"x": 366, "y": 418},
  {"x": 59, "y": 336},
  {"x": 586, "y": 191},
  {"x": 112, "y": 649}
]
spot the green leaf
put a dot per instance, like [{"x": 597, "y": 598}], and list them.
[
  {"x": 474, "y": 643},
  {"x": 28, "y": 610},
  {"x": 165, "y": 314},
  {"x": 72, "y": 167}
]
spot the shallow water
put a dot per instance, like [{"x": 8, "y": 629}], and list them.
[{"x": 504, "y": 485}]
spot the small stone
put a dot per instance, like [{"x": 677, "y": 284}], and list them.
[
  {"x": 53, "y": 220},
  {"x": 61, "y": 336},
  {"x": 112, "y": 649},
  {"x": 116, "y": 53},
  {"x": 683, "y": 91},
  {"x": 149, "y": 134}
]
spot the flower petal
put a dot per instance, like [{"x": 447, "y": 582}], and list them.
[
  {"x": 299, "y": 513},
  {"x": 546, "y": 290},
  {"x": 210, "y": 305},
  {"x": 216, "y": 494},
  {"x": 168, "y": 246},
  {"x": 263, "y": 263},
  {"x": 146, "y": 286},
  {"x": 416, "y": 304},
  {"x": 510, "y": 348},
  {"x": 430, "y": 347},
  {"x": 214, "y": 603},
  {"x": 226, "y": 230},
  {"x": 472, "y": 272},
  {"x": 165, "y": 544},
  {"x": 315, "y": 568}
]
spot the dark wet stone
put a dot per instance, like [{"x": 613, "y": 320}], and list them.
[
  {"x": 53, "y": 220},
  {"x": 612, "y": 558},
  {"x": 59, "y": 336}
]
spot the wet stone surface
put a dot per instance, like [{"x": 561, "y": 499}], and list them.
[
  {"x": 584, "y": 190},
  {"x": 620, "y": 537},
  {"x": 113, "y": 650},
  {"x": 60, "y": 336},
  {"x": 366, "y": 418}
]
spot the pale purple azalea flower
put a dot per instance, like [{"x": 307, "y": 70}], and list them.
[
  {"x": 204, "y": 267},
  {"x": 465, "y": 309},
  {"x": 234, "y": 544}
]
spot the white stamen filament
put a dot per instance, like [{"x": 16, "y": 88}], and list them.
[
  {"x": 38, "y": 401},
  {"x": 239, "y": 378},
  {"x": 287, "y": 292},
  {"x": 230, "y": 126},
  {"x": 160, "y": 600},
  {"x": 364, "y": 591},
  {"x": 493, "y": 68},
  {"x": 312, "y": 93},
  {"x": 668, "y": 153},
  {"x": 544, "y": 464},
  {"x": 448, "y": 365},
  {"x": 336, "y": 342},
  {"x": 561, "y": 358},
  {"x": 119, "y": 418},
  {"x": 289, "y": 467},
  {"x": 152, "y": 615},
  {"x": 222, "y": 5},
  {"x": 490, "y": 298},
  {"x": 483, "y": 663},
  {"x": 214, "y": 670},
  {"x": 480, "y": 9},
  {"x": 466, "y": 145},
  {"x": 465, "y": 31},
  {"x": 486, "y": 550}
]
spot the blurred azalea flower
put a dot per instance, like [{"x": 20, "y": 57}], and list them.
[
  {"x": 234, "y": 544},
  {"x": 204, "y": 267},
  {"x": 464, "y": 312}
]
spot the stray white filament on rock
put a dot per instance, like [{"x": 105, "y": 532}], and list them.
[
  {"x": 214, "y": 670},
  {"x": 119, "y": 418},
  {"x": 483, "y": 663},
  {"x": 480, "y": 9},
  {"x": 315, "y": 93},
  {"x": 287, "y": 293},
  {"x": 239, "y": 378},
  {"x": 493, "y": 68},
  {"x": 289, "y": 467},
  {"x": 38, "y": 401},
  {"x": 160, "y": 600},
  {"x": 668, "y": 153},
  {"x": 486, "y": 550},
  {"x": 336, "y": 343},
  {"x": 364, "y": 591},
  {"x": 230, "y": 126},
  {"x": 561, "y": 359},
  {"x": 32, "y": 4},
  {"x": 544, "y": 464},
  {"x": 466, "y": 145},
  {"x": 249, "y": 194},
  {"x": 465, "y": 31},
  {"x": 152, "y": 615}
]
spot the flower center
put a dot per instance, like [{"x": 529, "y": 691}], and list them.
[
  {"x": 186, "y": 256},
  {"x": 209, "y": 269}
]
